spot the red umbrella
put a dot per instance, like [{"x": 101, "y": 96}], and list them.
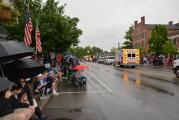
[{"x": 80, "y": 67}]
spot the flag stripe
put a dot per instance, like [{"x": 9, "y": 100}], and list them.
[
  {"x": 28, "y": 32},
  {"x": 38, "y": 41}
]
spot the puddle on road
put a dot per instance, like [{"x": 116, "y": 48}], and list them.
[
  {"x": 138, "y": 83},
  {"x": 125, "y": 76},
  {"x": 138, "y": 80}
]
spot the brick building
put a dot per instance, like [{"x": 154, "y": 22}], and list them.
[
  {"x": 174, "y": 37},
  {"x": 7, "y": 2},
  {"x": 142, "y": 33}
]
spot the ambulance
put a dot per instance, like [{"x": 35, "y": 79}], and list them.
[{"x": 127, "y": 57}]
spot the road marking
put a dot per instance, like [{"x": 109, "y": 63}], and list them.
[
  {"x": 109, "y": 89},
  {"x": 81, "y": 92}
]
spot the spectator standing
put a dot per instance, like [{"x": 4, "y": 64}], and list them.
[
  {"x": 47, "y": 60},
  {"x": 59, "y": 59}
]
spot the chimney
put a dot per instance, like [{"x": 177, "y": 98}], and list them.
[
  {"x": 170, "y": 22},
  {"x": 135, "y": 23},
  {"x": 143, "y": 20}
]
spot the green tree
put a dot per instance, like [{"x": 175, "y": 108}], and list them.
[
  {"x": 158, "y": 39},
  {"x": 96, "y": 50},
  {"x": 113, "y": 49},
  {"x": 88, "y": 50},
  {"x": 128, "y": 38},
  {"x": 80, "y": 52},
  {"x": 142, "y": 51},
  {"x": 58, "y": 31},
  {"x": 169, "y": 48}
]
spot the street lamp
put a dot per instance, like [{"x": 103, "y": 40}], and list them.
[{"x": 102, "y": 49}]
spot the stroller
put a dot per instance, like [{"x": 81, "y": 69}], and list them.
[{"x": 79, "y": 80}]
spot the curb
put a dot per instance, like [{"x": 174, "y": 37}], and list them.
[{"x": 43, "y": 103}]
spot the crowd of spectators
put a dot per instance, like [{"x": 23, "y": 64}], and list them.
[
  {"x": 19, "y": 102},
  {"x": 158, "y": 60}
]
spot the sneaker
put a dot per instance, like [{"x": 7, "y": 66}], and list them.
[{"x": 56, "y": 94}]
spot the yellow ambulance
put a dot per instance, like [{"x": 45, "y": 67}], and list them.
[{"x": 128, "y": 57}]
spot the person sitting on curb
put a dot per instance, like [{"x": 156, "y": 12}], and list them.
[
  {"x": 39, "y": 85},
  {"x": 9, "y": 112},
  {"x": 51, "y": 77},
  {"x": 16, "y": 91},
  {"x": 58, "y": 72},
  {"x": 26, "y": 89}
]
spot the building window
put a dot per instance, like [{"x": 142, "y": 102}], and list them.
[
  {"x": 174, "y": 41},
  {"x": 145, "y": 35},
  {"x": 139, "y": 36}
]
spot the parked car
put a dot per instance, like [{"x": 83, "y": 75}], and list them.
[
  {"x": 101, "y": 60},
  {"x": 109, "y": 60},
  {"x": 176, "y": 67}
]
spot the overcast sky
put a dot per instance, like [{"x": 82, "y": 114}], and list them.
[{"x": 104, "y": 22}]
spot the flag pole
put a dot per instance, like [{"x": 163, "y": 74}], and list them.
[{"x": 26, "y": 3}]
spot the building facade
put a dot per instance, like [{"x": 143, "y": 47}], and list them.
[
  {"x": 142, "y": 33},
  {"x": 174, "y": 37},
  {"x": 7, "y": 2},
  {"x": 5, "y": 15}
]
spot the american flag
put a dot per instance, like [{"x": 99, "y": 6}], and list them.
[
  {"x": 28, "y": 29},
  {"x": 38, "y": 41}
]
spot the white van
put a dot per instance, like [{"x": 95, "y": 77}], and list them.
[{"x": 109, "y": 60}]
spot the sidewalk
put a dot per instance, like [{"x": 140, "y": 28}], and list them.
[
  {"x": 167, "y": 76},
  {"x": 161, "y": 68}
]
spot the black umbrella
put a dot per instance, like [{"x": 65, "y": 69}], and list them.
[
  {"x": 13, "y": 50},
  {"x": 24, "y": 68},
  {"x": 5, "y": 83}
]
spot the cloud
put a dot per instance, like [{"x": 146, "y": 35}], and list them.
[{"x": 105, "y": 22}]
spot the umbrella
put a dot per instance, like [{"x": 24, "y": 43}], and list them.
[
  {"x": 13, "y": 50},
  {"x": 80, "y": 67},
  {"x": 24, "y": 68},
  {"x": 5, "y": 83}
]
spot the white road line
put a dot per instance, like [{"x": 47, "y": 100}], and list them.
[
  {"x": 109, "y": 89},
  {"x": 81, "y": 92}
]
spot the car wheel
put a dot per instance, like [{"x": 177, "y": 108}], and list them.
[{"x": 121, "y": 66}]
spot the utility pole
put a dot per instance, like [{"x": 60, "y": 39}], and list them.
[{"x": 118, "y": 45}]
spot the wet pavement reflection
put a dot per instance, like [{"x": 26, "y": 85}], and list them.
[
  {"x": 138, "y": 83},
  {"x": 133, "y": 97},
  {"x": 125, "y": 76}
]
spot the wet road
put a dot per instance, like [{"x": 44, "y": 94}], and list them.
[{"x": 114, "y": 94}]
